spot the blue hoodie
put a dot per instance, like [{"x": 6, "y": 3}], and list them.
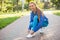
[{"x": 43, "y": 19}]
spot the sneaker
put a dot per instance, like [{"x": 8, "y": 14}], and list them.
[
  {"x": 29, "y": 36},
  {"x": 42, "y": 30}
]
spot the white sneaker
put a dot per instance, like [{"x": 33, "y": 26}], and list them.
[
  {"x": 42, "y": 30},
  {"x": 29, "y": 36}
]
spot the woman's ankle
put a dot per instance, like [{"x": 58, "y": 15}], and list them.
[
  {"x": 31, "y": 32},
  {"x": 28, "y": 31}
]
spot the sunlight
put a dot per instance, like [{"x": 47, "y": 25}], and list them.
[{"x": 9, "y": 15}]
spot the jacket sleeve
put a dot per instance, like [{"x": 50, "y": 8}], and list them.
[
  {"x": 43, "y": 22},
  {"x": 31, "y": 17},
  {"x": 40, "y": 23}
]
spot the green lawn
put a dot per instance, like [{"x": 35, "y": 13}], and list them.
[
  {"x": 58, "y": 13},
  {"x": 6, "y": 21},
  {"x": 8, "y": 18}
]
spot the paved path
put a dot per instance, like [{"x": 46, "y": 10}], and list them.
[{"x": 18, "y": 29}]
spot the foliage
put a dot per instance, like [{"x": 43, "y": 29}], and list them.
[
  {"x": 40, "y": 5},
  {"x": 29, "y": 1},
  {"x": 57, "y": 13},
  {"x": 56, "y": 3}
]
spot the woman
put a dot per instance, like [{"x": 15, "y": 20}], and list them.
[{"x": 36, "y": 20}]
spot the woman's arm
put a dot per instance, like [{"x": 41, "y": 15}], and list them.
[
  {"x": 31, "y": 17},
  {"x": 42, "y": 13},
  {"x": 39, "y": 12}
]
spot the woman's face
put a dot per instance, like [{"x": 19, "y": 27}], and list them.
[{"x": 32, "y": 6}]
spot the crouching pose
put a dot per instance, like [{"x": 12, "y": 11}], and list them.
[{"x": 37, "y": 20}]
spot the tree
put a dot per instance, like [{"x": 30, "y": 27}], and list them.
[
  {"x": 56, "y": 3},
  {"x": 2, "y": 2},
  {"x": 0, "y": 5},
  {"x": 22, "y": 5},
  {"x": 15, "y": 4},
  {"x": 29, "y": 1}
]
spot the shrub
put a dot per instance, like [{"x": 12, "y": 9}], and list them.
[{"x": 40, "y": 5}]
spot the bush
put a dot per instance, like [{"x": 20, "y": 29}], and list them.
[
  {"x": 19, "y": 7},
  {"x": 26, "y": 6},
  {"x": 40, "y": 5},
  {"x": 56, "y": 3},
  {"x": 47, "y": 5}
]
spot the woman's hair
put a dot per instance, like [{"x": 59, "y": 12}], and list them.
[
  {"x": 32, "y": 3},
  {"x": 38, "y": 10}
]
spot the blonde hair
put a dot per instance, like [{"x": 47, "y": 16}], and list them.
[
  {"x": 33, "y": 3},
  {"x": 38, "y": 9}
]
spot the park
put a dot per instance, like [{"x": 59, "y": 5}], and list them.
[{"x": 15, "y": 17}]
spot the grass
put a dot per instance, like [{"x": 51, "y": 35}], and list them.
[
  {"x": 57, "y": 13},
  {"x": 8, "y": 18},
  {"x": 6, "y": 21}
]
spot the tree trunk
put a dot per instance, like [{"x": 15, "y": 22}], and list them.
[
  {"x": 1, "y": 5},
  {"x": 22, "y": 5},
  {"x": 17, "y": 5}
]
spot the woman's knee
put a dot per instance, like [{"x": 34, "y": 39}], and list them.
[
  {"x": 31, "y": 24},
  {"x": 35, "y": 17},
  {"x": 35, "y": 29}
]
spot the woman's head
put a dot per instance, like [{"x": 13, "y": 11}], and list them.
[{"x": 32, "y": 6}]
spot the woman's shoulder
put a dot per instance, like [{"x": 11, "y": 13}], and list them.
[{"x": 31, "y": 12}]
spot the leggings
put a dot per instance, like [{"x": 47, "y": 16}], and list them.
[{"x": 33, "y": 25}]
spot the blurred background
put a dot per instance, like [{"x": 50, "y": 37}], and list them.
[
  {"x": 19, "y": 5},
  {"x": 11, "y": 10},
  {"x": 14, "y": 19}
]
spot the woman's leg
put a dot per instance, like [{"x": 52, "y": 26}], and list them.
[
  {"x": 30, "y": 26},
  {"x": 35, "y": 22}
]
